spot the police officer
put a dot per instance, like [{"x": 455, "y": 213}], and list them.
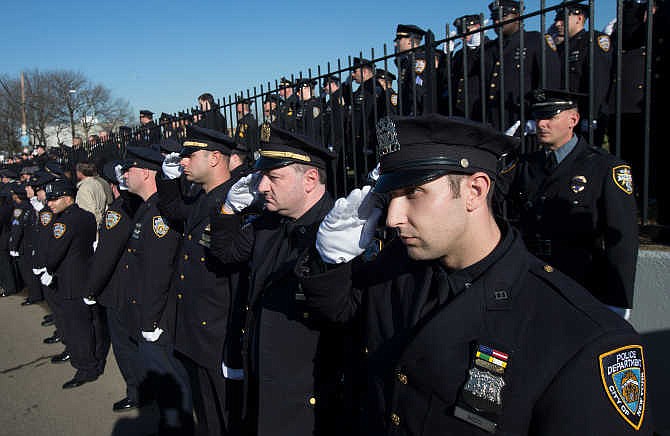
[
  {"x": 335, "y": 113},
  {"x": 504, "y": 68},
  {"x": 579, "y": 61},
  {"x": 246, "y": 132},
  {"x": 206, "y": 289},
  {"x": 575, "y": 203},
  {"x": 455, "y": 309},
  {"x": 308, "y": 117},
  {"x": 67, "y": 255},
  {"x": 289, "y": 105},
  {"x": 411, "y": 63},
  {"x": 388, "y": 104},
  {"x": 211, "y": 113},
  {"x": 20, "y": 239},
  {"x": 150, "y": 132},
  {"x": 150, "y": 318},
  {"x": 364, "y": 116},
  {"x": 271, "y": 104},
  {"x": 102, "y": 282},
  {"x": 291, "y": 360}
]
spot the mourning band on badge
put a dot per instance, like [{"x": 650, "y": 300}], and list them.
[
  {"x": 159, "y": 226},
  {"x": 59, "y": 230},
  {"x": 112, "y": 218},
  {"x": 623, "y": 178},
  {"x": 623, "y": 374},
  {"x": 474, "y": 419},
  {"x": 45, "y": 218}
]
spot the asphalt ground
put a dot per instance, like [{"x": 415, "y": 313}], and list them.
[{"x": 32, "y": 400}]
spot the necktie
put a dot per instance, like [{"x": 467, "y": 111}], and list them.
[{"x": 551, "y": 163}]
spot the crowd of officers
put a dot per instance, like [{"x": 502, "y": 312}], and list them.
[{"x": 460, "y": 291}]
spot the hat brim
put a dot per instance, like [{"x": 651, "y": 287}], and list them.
[
  {"x": 270, "y": 163},
  {"x": 406, "y": 179}
]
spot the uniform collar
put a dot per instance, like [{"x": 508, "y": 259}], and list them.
[{"x": 563, "y": 151}]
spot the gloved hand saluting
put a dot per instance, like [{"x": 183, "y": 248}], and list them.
[
  {"x": 242, "y": 194},
  {"x": 171, "y": 167},
  {"x": 118, "y": 171},
  {"x": 349, "y": 227}
]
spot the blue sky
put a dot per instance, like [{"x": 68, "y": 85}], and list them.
[{"x": 161, "y": 55}]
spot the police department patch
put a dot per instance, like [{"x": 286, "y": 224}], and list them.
[
  {"x": 316, "y": 111},
  {"x": 604, "y": 43},
  {"x": 59, "y": 230},
  {"x": 419, "y": 66},
  {"x": 394, "y": 99},
  {"x": 45, "y": 218},
  {"x": 624, "y": 379},
  {"x": 112, "y": 218},
  {"x": 623, "y": 178},
  {"x": 17, "y": 213},
  {"x": 160, "y": 228},
  {"x": 550, "y": 42}
]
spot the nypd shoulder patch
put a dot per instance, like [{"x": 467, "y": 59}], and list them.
[
  {"x": 624, "y": 379},
  {"x": 623, "y": 178},
  {"x": 112, "y": 218},
  {"x": 604, "y": 43},
  {"x": 550, "y": 42},
  {"x": 316, "y": 111},
  {"x": 17, "y": 213},
  {"x": 160, "y": 228},
  {"x": 394, "y": 99},
  {"x": 46, "y": 217},
  {"x": 59, "y": 230},
  {"x": 419, "y": 66}
]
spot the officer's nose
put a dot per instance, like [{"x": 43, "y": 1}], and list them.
[
  {"x": 396, "y": 214},
  {"x": 264, "y": 184}
]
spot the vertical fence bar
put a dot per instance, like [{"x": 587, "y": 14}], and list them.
[
  {"x": 449, "y": 55},
  {"x": 522, "y": 79},
  {"x": 647, "y": 109},
  {"x": 482, "y": 68}
]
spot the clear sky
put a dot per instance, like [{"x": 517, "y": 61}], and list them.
[{"x": 161, "y": 55}]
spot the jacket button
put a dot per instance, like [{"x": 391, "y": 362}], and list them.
[
  {"x": 202, "y": 259},
  {"x": 402, "y": 378},
  {"x": 312, "y": 401},
  {"x": 204, "y": 323},
  {"x": 244, "y": 331},
  {"x": 395, "y": 419},
  {"x": 126, "y": 266},
  {"x": 365, "y": 350},
  {"x": 246, "y": 308},
  {"x": 130, "y": 251},
  {"x": 305, "y": 315},
  {"x": 134, "y": 301},
  {"x": 186, "y": 257},
  {"x": 190, "y": 237},
  {"x": 549, "y": 268},
  {"x": 181, "y": 276},
  {"x": 179, "y": 296}
]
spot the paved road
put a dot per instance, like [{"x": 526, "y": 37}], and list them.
[{"x": 32, "y": 401}]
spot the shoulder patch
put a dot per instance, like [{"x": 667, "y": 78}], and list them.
[
  {"x": 112, "y": 218},
  {"x": 59, "y": 230},
  {"x": 550, "y": 42},
  {"x": 624, "y": 380},
  {"x": 604, "y": 43},
  {"x": 419, "y": 66},
  {"x": 160, "y": 228},
  {"x": 46, "y": 217},
  {"x": 623, "y": 178},
  {"x": 316, "y": 111},
  {"x": 17, "y": 212},
  {"x": 394, "y": 99}
]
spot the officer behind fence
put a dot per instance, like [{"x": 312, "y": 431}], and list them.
[
  {"x": 504, "y": 69},
  {"x": 335, "y": 115},
  {"x": 579, "y": 62},
  {"x": 246, "y": 132},
  {"x": 388, "y": 103},
  {"x": 466, "y": 332},
  {"x": 575, "y": 204},
  {"x": 308, "y": 117},
  {"x": 365, "y": 114},
  {"x": 411, "y": 65},
  {"x": 289, "y": 105}
]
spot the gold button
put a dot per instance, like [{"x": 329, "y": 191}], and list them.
[
  {"x": 134, "y": 301},
  {"x": 491, "y": 97},
  {"x": 202, "y": 259},
  {"x": 497, "y": 62},
  {"x": 402, "y": 378},
  {"x": 126, "y": 266},
  {"x": 312, "y": 401},
  {"x": 395, "y": 419},
  {"x": 246, "y": 307},
  {"x": 186, "y": 257},
  {"x": 549, "y": 268},
  {"x": 243, "y": 331},
  {"x": 305, "y": 315},
  {"x": 190, "y": 237},
  {"x": 204, "y": 323},
  {"x": 129, "y": 250},
  {"x": 365, "y": 350},
  {"x": 181, "y": 276},
  {"x": 495, "y": 74},
  {"x": 640, "y": 86},
  {"x": 493, "y": 85},
  {"x": 179, "y": 296}
]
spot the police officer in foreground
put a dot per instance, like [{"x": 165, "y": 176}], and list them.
[
  {"x": 291, "y": 360},
  {"x": 575, "y": 204},
  {"x": 206, "y": 289},
  {"x": 465, "y": 332}
]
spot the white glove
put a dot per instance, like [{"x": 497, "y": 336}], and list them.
[
  {"x": 118, "y": 171},
  {"x": 474, "y": 41},
  {"x": 531, "y": 127},
  {"x": 13, "y": 253},
  {"x": 38, "y": 271},
  {"x": 513, "y": 128},
  {"x": 37, "y": 204},
  {"x": 95, "y": 245},
  {"x": 232, "y": 373},
  {"x": 374, "y": 174},
  {"x": 152, "y": 336},
  {"x": 89, "y": 302},
  {"x": 46, "y": 278},
  {"x": 171, "y": 167},
  {"x": 452, "y": 42},
  {"x": 348, "y": 228},
  {"x": 610, "y": 27},
  {"x": 242, "y": 194}
]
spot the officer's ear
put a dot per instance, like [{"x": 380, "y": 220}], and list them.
[
  {"x": 475, "y": 189},
  {"x": 573, "y": 118}
]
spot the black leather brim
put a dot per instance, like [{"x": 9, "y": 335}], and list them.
[{"x": 406, "y": 179}]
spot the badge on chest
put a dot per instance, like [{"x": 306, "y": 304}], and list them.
[{"x": 481, "y": 399}]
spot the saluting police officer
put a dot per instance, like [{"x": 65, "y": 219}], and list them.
[
  {"x": 145, "y": 284},
  {"x": 576, "y": 205},
  {"x": 504, "y": 68},
  {"x": 206, "y": 289},
  {"x": 68, "y": 251},
  {"x": 465, "y": 332},
  {"x": 579, "y": 62},
  {"x": 411, "y": 63},
  {"x": 291, "y": 360}
]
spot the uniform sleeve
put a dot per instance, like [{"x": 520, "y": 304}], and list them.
[
  {"x": 600, "y": 391},
  {"x": 16, "y": 231},
  {"x": 602, "y": 65},
  {"x": 58, "y": 247},
  {"x": 160, "y": 247},
  {"x": 111, "y": 242},
  {"x": 230, "y": 242},
  {"x": 552, "y": 66},
  {"x": 620, "y": 235},
  {"x": 170, "y": 202}
]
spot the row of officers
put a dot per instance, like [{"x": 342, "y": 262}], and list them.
[{"x": 258, "y": 305}]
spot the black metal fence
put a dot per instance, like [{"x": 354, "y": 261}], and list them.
[{"x": 338, "y": 105}]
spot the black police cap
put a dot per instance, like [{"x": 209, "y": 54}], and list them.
[
  {"x": 146, "y": 113},
  {"x": 362, "y": 62},
  {"x": 285, "y": 83},
  {"x": 243, "y": 100},
  {"x": 507, "y": 6},
  {"x": 58, "y": 188},
  {"x": 272, "y": 98},
  {"x": 577, "y": 9},
  {"x": 331, "y": 78},
  {"x": 305, "y": 82},
  {"x": 408, "y": 31},
  {"x": 143, "y": 157},
  {"x": 109, "y": 172},
  {"x": 9, "y": 173},
  {"x": 461, "y": 24},
  {"x": 385, "y": 75},
  {"x": 201, "y": 138},
  {"x": 280, "y": 148},
  {"x": 416, "y": 150},
  {"x": 546, "y": 103},
  {"x": 169, "y": 145},
  {"x": 40, "y": 178},
  {"x": 55, "y": 169}
]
